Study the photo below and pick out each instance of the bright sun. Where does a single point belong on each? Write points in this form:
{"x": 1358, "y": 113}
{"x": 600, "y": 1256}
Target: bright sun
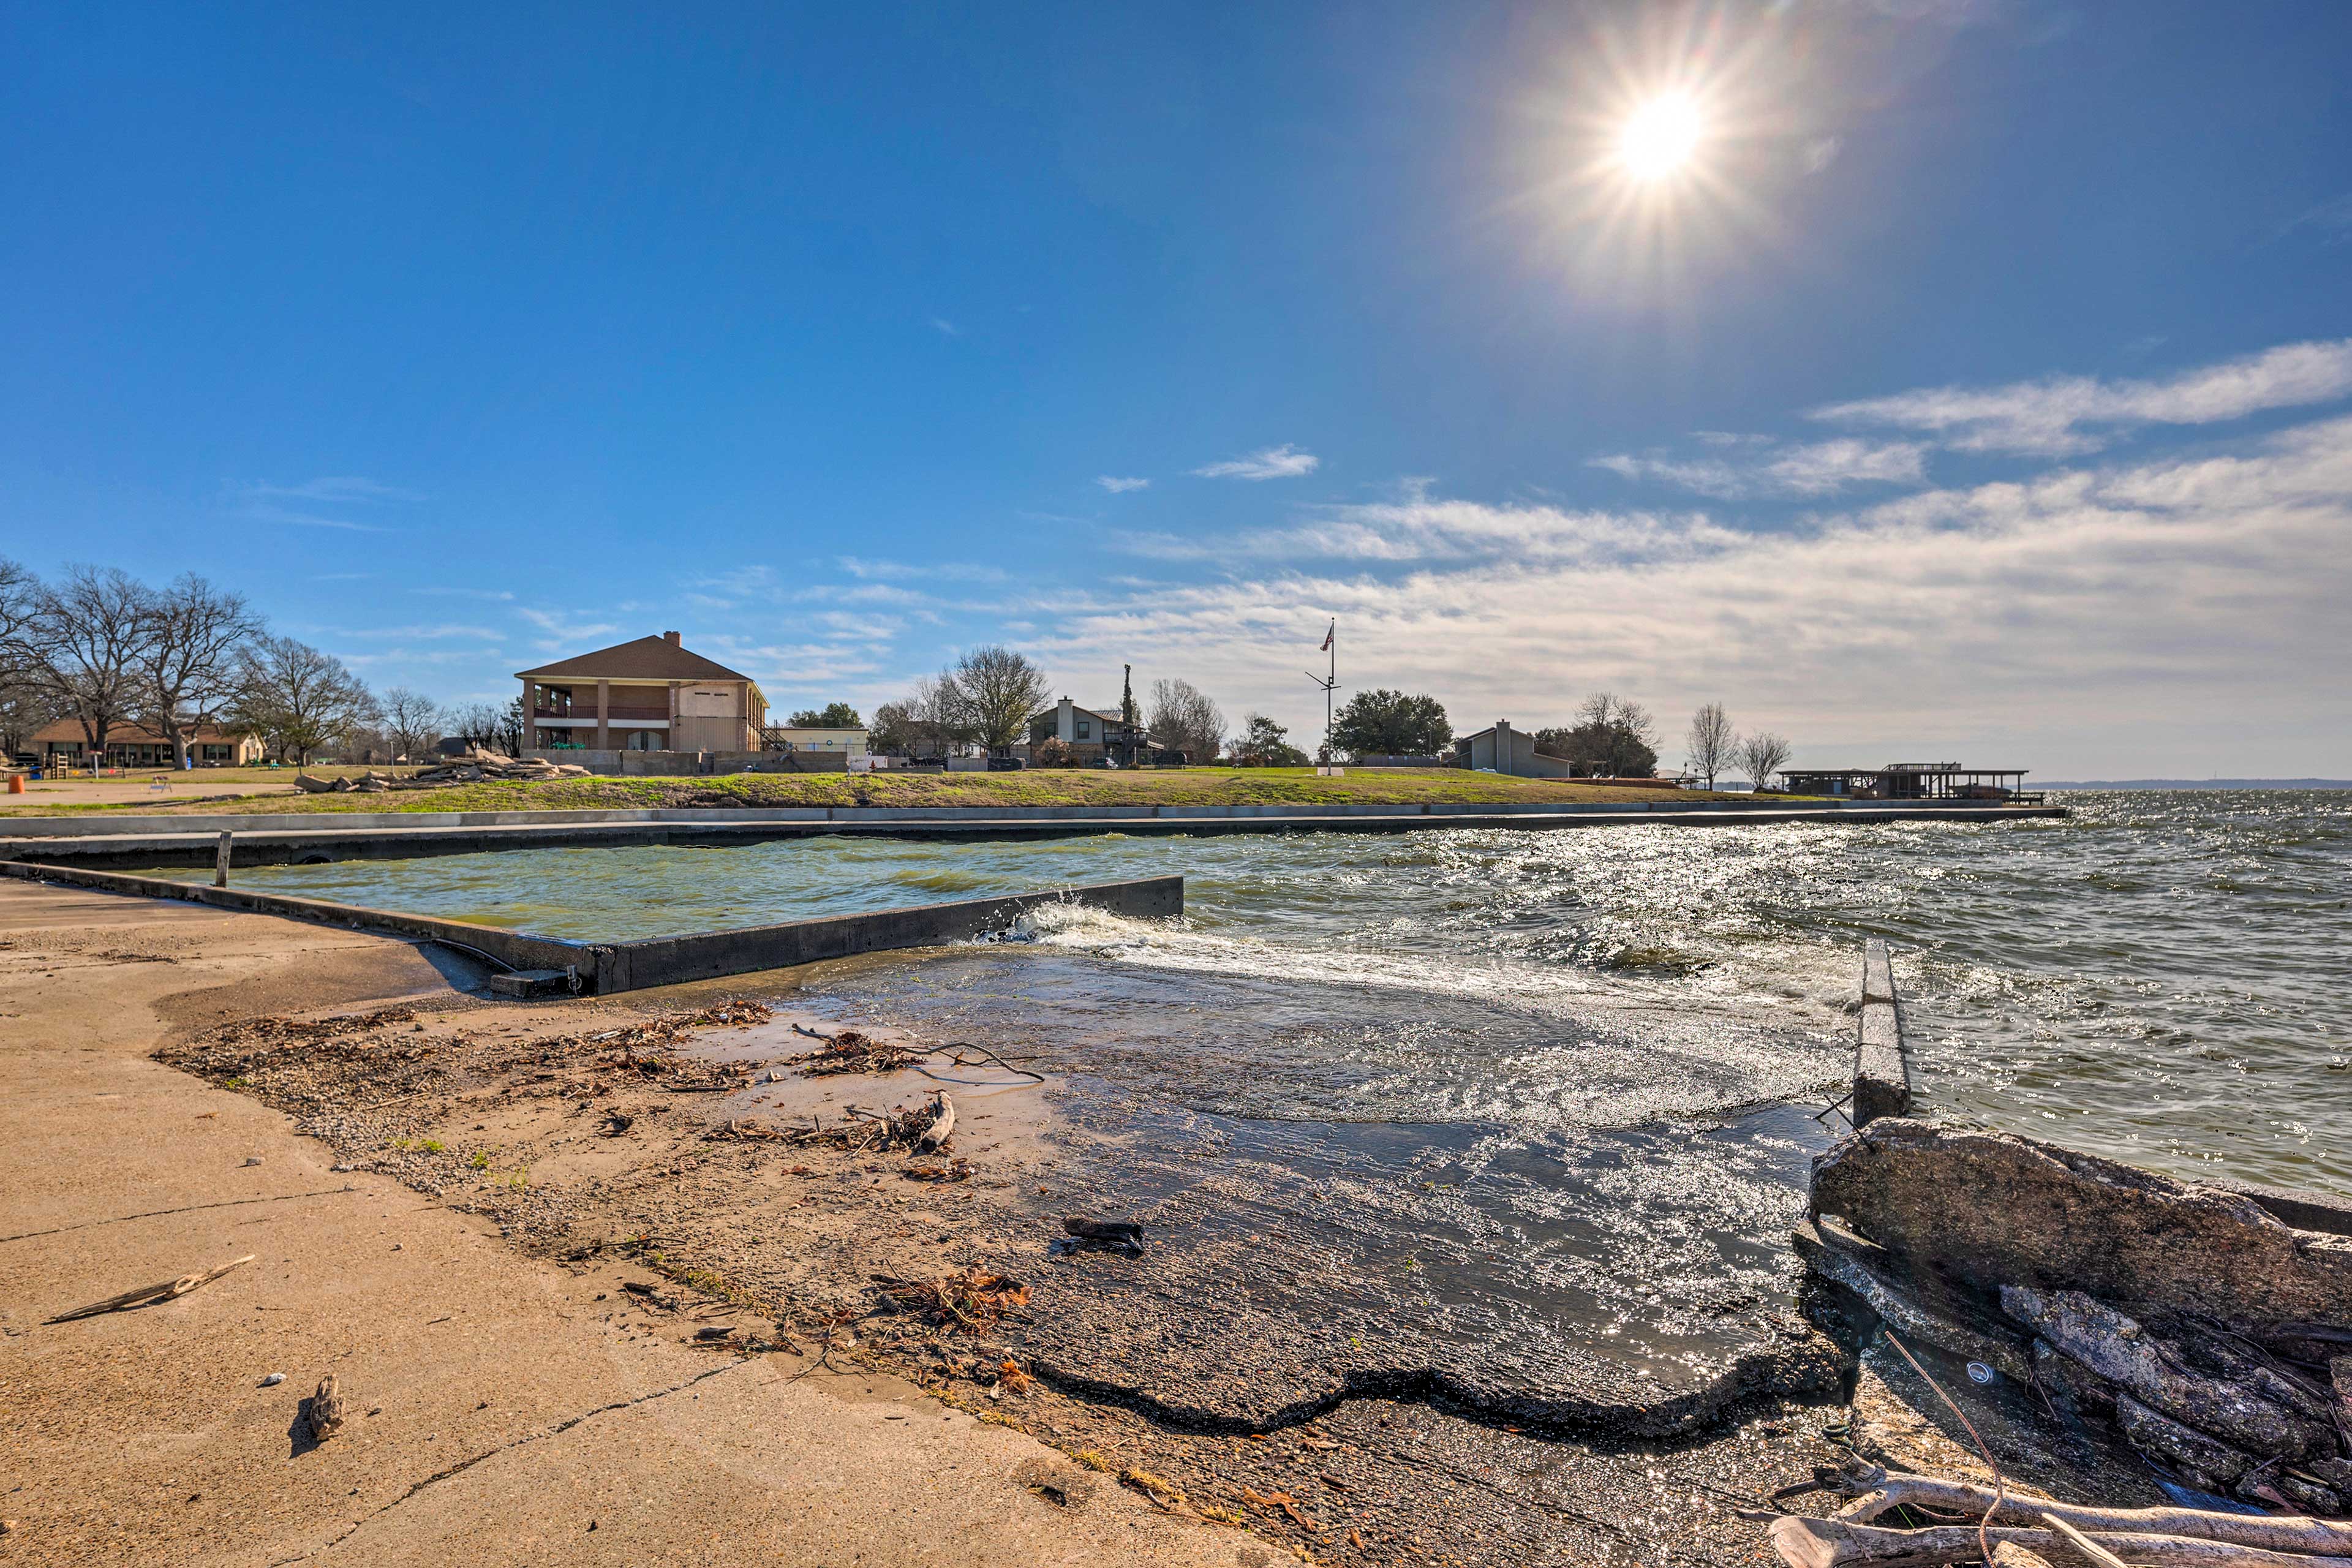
{"x": 1660, "y": 137}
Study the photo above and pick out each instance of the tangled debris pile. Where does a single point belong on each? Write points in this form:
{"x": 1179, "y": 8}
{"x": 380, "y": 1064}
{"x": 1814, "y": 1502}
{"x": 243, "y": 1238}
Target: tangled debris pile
{"x": 2021, "y": 1529}
{"x": 474, "y": 767}
{"x": 2188, "y": 1323}
{"x": 851, "y": 1050}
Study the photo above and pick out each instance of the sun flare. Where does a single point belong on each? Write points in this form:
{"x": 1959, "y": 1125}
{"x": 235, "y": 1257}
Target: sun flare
{"x": 1660, "y": 137}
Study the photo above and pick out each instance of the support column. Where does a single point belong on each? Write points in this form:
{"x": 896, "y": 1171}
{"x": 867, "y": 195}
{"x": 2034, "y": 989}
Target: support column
{"x": 529, "y": 728}
{"x": 603, "y": 716}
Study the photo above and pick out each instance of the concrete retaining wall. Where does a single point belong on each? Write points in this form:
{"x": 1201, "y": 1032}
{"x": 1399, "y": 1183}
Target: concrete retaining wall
{"x": 1882, "y": 1063}
{"x": 604, "y": 967}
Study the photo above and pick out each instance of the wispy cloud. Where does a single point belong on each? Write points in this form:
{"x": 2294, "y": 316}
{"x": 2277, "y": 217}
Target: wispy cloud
{"x": 870, "y": 569}
{"x": 265, "y": 502}
{"x": 487, "y": 634}
{"x": 1119, "y": 487}
{"x": 492, "y": 595}
{"x": 946, "y": 328}
{"x": 1822, "y": 151}
{"x": 331, "y": 490}
{"x": 2068, "y": 415}
{"x": 1283, "y": 462}
{"x": 566, "y": 631}
{"x": 1757, "y": 466}
{"x": 2332, "y": 219}
{"x": 308, "y": 519}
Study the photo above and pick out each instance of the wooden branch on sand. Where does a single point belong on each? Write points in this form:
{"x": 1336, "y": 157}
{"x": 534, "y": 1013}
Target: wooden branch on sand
{"x": 326, "y": 1409}
{"x": 2270, "y": 1533}
{"x": 942, "y": 1125}
{"x": 148, "y": 1295}
{"x": 1834, "y": 1543}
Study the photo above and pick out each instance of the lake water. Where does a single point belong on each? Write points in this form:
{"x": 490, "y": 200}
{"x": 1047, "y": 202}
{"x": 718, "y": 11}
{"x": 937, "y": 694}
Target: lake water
{"x": 2159, "y": 977}
{"x": 1551, "y": 1095}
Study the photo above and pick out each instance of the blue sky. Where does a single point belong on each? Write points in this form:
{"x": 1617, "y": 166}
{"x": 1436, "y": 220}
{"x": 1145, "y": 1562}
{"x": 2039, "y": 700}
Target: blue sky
{"x": 1982, "y": 388}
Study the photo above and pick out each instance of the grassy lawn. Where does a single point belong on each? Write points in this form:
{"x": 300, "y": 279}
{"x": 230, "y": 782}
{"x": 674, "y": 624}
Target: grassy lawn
{"x": 1188, "y": 786}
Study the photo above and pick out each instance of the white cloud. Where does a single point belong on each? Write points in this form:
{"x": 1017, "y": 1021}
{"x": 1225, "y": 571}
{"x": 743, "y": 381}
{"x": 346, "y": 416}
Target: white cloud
{"x": 1119, "y": 487}
{"x": 870, "y": 569}
{"x": 946, "y": 328}
{"x": 1822, "y": 151}
{"x": 1759, "y": 468}
{"x": 1283, "y": 462}
{"x": 565, "y": 632}
{"x": 2071, "y": 414}
{"x": 2140, "y": 614}
{"x": 495, "y": 596}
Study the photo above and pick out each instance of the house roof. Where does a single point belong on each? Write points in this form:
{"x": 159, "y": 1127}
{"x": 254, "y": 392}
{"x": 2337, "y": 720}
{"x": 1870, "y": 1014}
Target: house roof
{"x": 647, "y": 658}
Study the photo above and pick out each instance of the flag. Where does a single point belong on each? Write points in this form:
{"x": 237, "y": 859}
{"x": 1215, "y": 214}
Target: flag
{"x": 1327, "y": 637}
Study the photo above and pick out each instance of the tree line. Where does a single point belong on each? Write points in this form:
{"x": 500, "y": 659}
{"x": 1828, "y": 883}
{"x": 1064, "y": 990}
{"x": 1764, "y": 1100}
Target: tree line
{"x": 115, "y": 655}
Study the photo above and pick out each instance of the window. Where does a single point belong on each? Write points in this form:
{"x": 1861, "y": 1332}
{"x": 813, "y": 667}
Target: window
{"x": 1086, "y": 729}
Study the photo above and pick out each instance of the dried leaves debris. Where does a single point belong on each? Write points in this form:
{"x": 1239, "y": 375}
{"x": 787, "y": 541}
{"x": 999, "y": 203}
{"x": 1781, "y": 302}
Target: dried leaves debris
{"x": 969, "y": 1300}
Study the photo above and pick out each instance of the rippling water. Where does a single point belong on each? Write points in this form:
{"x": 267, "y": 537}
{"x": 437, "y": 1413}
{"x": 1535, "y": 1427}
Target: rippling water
{"x": 2159, "y": 977}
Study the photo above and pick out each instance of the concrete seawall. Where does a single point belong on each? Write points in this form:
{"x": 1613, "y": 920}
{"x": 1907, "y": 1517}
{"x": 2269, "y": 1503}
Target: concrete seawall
{"x": 1882, "y": 1062}
{"x": 121, "y": 842}
{"x": 605, "y": 967}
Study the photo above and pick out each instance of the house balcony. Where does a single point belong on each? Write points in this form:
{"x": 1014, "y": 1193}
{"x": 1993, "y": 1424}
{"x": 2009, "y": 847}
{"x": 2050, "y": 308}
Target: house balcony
{"x": 579, "y": 714}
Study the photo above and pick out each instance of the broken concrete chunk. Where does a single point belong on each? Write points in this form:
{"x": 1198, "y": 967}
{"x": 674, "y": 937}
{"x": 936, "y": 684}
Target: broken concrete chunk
{"x": 1986, "y": 1209}
{"x": 2155, "y": 1373}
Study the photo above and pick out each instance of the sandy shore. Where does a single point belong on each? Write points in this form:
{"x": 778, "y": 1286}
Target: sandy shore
{"x": 452, "y": 1202}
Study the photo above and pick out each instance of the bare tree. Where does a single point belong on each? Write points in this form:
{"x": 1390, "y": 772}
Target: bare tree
{"x": 18, "y": 589}
{"x": 1612, "y": 737}
{"x": 85, "y": 642}
{"x": 1710, "y": 743}
{"x": 1763, "y": 754}
{"x": 412, "y": 721}
{"x": 189, "y": 660}
{"x": 1000, "y": 689}
{"x": 1184, "y": 717}
{"x": 297, "y": 698}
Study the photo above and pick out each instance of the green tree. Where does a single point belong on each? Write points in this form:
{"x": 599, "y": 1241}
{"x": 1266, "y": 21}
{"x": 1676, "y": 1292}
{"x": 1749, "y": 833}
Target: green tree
{"x": 1391, "y": 724}
{"x": 832, "y": 716}
{"x": 1263, "y": 743}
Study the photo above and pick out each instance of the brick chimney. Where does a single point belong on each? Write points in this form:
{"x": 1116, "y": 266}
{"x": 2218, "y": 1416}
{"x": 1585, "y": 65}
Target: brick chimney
{"x": 670, "y": 638}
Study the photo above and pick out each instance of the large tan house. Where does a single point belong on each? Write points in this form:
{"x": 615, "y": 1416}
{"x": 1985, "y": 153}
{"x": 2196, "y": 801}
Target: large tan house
{"x": 650, "y": 695}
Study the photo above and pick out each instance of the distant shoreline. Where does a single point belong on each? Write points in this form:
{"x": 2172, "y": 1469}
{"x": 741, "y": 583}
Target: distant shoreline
{"x": 2194, "y": 783}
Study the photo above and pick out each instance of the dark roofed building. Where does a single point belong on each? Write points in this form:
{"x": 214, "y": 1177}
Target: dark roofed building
{"x": 650, "y": 695}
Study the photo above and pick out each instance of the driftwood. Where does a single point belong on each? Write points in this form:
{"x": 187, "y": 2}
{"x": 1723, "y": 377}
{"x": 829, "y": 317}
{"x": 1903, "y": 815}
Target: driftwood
{"x": 1886, "y": 1491}
{"x": 2239, "y": 1411}
{"x": 327, "y": 1410}
{"x": 148, "y": 1295}
{"x": 2098, "y": 1554}
{"x": 1109, "y": 1232}
{"x": 942, "y": 1125}
{"x": 2010, "y": 1554}
{"x": 1836, "y": 1544}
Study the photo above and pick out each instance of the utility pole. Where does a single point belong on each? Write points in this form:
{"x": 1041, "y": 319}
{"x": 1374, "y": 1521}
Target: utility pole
{"x": 1330, "y": 682}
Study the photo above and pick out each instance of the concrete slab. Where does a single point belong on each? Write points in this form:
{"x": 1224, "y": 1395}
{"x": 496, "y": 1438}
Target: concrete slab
{"x": 504, "y": 1413}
